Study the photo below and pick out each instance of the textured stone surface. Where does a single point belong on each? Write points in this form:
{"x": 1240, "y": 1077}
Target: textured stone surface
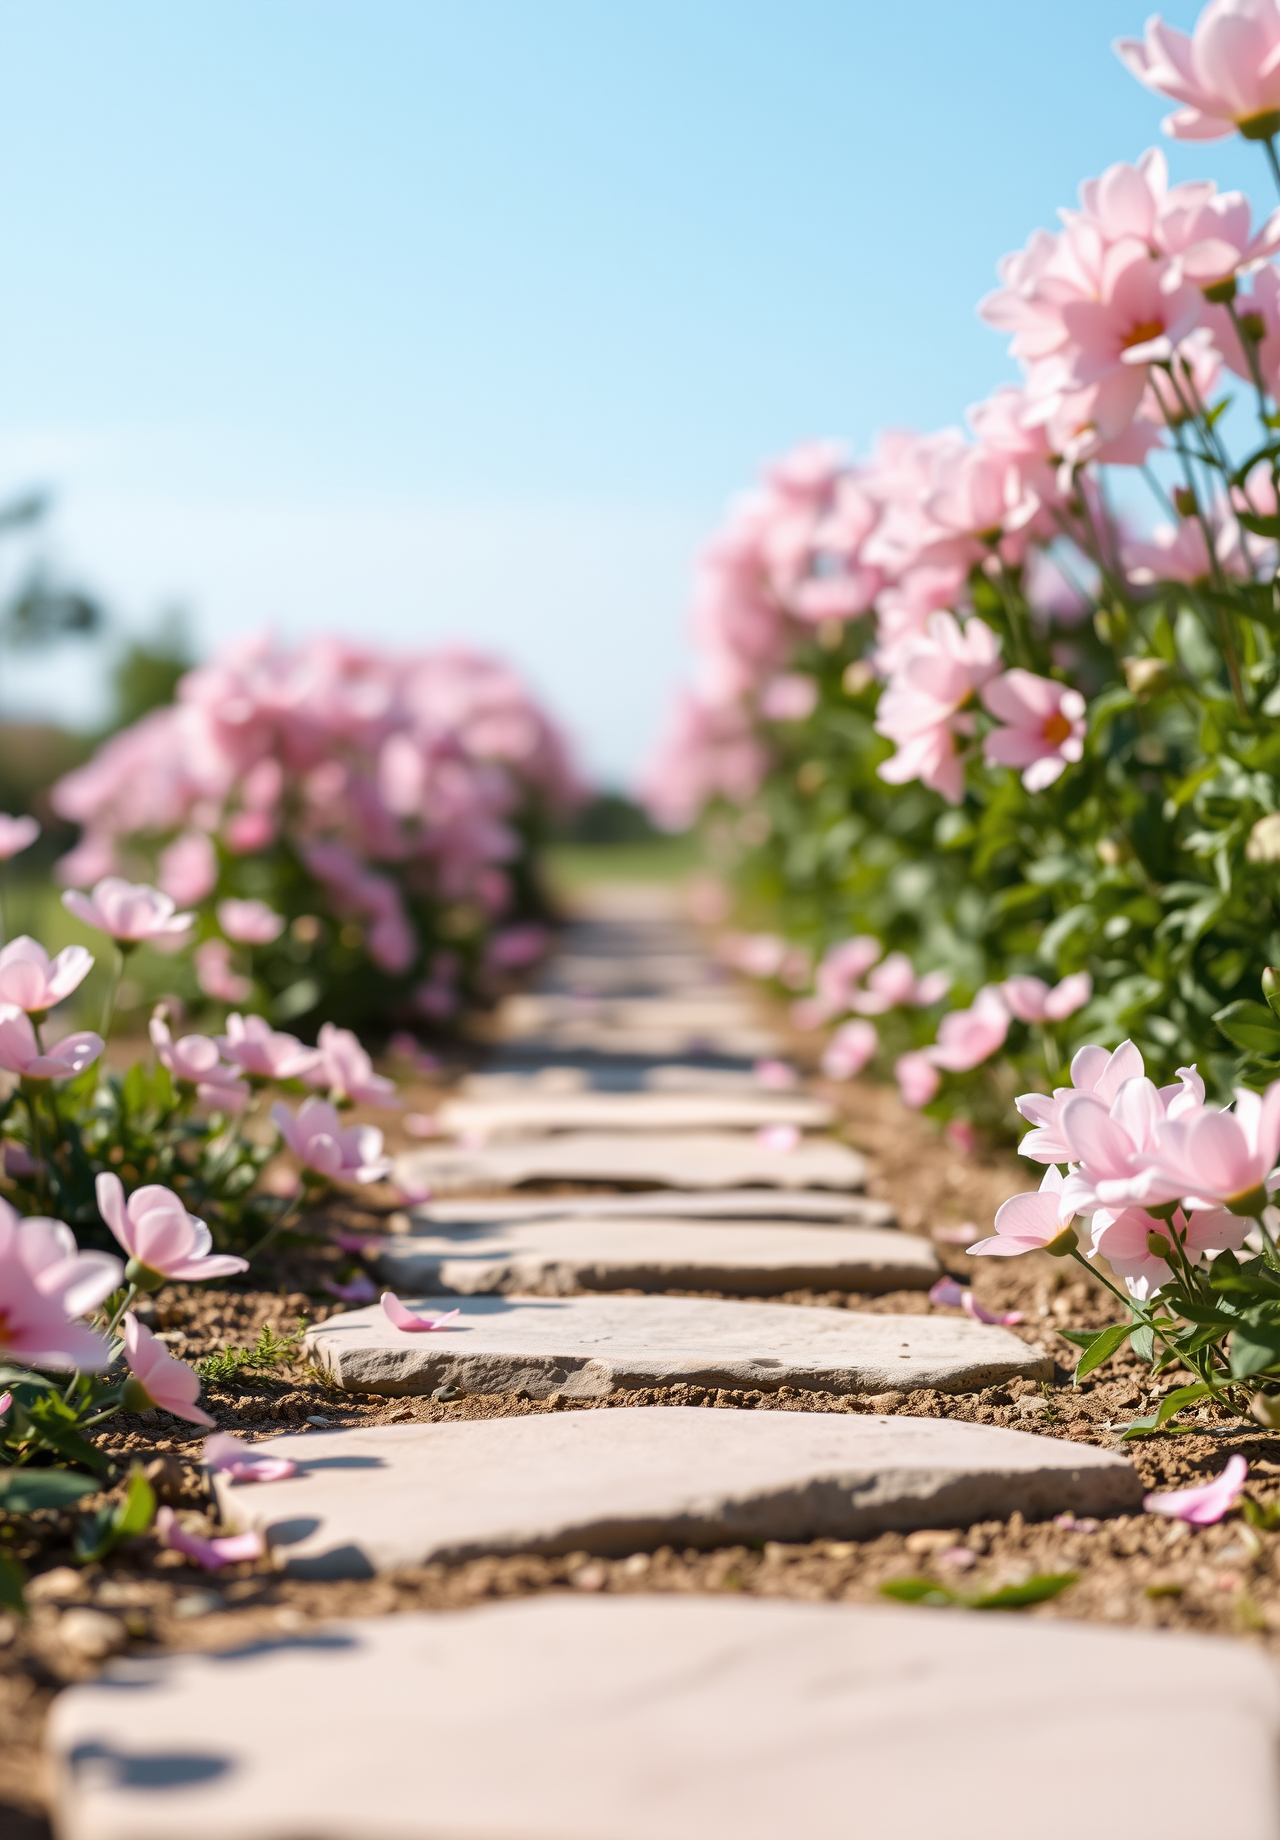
{"x": 630, "y": 1717}
{"x": 659, "y": 1026}
{"x": 373, "y": 1498}
{"x": 537, "y": 1114}
{"x": 807, "y": 1204}
{"x": 589, "y": 1346}
{"x": 693, "y": 1159}
{"x": 599, "y": 1254}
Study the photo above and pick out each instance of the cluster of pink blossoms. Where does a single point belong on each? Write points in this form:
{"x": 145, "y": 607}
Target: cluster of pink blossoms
{"x": 1146, "y": 1165}
{"x": 389, "y": 777}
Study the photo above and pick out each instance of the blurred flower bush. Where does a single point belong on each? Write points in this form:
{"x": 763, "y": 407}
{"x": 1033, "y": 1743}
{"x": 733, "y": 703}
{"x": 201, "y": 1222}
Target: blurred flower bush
{"x": 357, "y": 830}
{"x": 995, "y": 711}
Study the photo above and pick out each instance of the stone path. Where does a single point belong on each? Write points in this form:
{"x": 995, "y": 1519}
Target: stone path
{"x": 808, "y": 1205}
{"x": 604, "y": 1254}
{"x": 625, "y": 1718}
{"x": 686, "y": 1159}
{"x": 587, "y": 1347}
{"x": 535, "y": 1114}
{"x": 370, "y": 1499}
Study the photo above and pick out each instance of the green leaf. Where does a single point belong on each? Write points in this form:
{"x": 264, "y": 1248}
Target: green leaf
{"x": 19, "y": 1376}
{"x": 918, "y": 1591}
{"x": 24, "y": 1491}
{"x": 1172, "y": 1402}
{"x": 1260, "y": 526}
{"x": 1102, "y": 1347}
{"x": 1083, "y": 1338}
{"x": 1251, "y": 1026}
{"x": 99, "y": 1533}
{"x": 1036, "y": 1590}
{"x": 12, "y": 1584}
{"x": 1143, "y": 1343}
{"x": 1254, "y": 1347}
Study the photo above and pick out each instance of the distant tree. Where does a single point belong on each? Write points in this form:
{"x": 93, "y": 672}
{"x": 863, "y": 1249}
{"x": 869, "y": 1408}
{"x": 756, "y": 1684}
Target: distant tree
{"x": 146, "y": 674}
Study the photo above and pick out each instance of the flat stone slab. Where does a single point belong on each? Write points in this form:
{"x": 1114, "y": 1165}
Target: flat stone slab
{"x": 690, "y": 1159}
{"x": 602, "y": 1254}
{"x": 807, "y": 1204}
{"x": 587, "y": 1347}
{"x": 540, "y": 1113}
{"x": 656, "y": 1026}
{"x": 371, "y": 1499}
{"x": 626, "y": 1717}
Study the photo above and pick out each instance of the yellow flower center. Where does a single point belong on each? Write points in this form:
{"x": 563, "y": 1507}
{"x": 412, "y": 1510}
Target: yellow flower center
{"x": 1056, "y": 729}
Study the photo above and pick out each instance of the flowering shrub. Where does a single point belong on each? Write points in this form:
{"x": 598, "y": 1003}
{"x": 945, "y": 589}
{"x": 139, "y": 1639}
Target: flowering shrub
{"x": 967, "y": 707}
{"x": 357, "y": 830}
{"x": 159, "y": 1164}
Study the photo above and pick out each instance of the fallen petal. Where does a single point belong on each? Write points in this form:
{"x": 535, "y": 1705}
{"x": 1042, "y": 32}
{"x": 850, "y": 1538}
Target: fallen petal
{"x": 972, "y": 1307}
{"x": 211, "y": 1554}
{"x": 946, "y": 1290}
{"x": 406, "y": 1319}
{"x": 242, "y": 1463}
{"x": 1203, "y": 1506}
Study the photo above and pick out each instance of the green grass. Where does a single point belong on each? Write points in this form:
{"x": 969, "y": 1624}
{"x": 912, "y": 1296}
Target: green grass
{"x": 665, "y": 859}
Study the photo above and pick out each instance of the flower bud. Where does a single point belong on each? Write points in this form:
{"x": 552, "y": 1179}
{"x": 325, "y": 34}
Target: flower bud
{"x": 1263, "y": 845}
{"x": 1265, "y": 1407}
{"x": 1158, "y": 1246}
{"x": 134, "y": 1396}
{"x": 1271, "y": 987}
{"x": 1145, "y": 675}
{"x": 1221, "y": 293}
{"x": 144, "y": 1276}
{"x": 1063, "y": 1243}
{"x": 1184, "y": 501}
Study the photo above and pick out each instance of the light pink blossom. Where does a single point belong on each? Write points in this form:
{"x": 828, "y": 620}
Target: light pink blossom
{"x": 1035, "y": 1222}
{"x": 264, "y": 1054}
{"x": 1116, "y": 1148}
{"x": 159, "y": 1378}
{"x": 158, "y": 1233}
{"x": 893, "y": 983}
{"x": 321, "y": 1143}
{"x": 838, "y": 973}
{"x": 45, "y": 1282}
{"x": 243, "y": 1463}
{"x": 360, "y": 1289}
{"x": 1226, "y": 74}
{"x": 129, "y": 911}
{"x": 967, "y": 1037}
{"x": 1211, "y": 1159}
{"x": 918, "y": 1079}
{"x": 1044, "y": 726}
{"x": 957, "y": 1296}
{"x": 21, "y": 1053}
{"x": 1093, "y": 1070}
{"x": 1202, "y": 1506}
{"x": 1123, "y": 1237}
{"x": 215, "y": 973}
{"x": 16, "y": 835}
{"x": 1032, "y": 1000}
{"x": 852, "y": 1046}
{"x": 514, "y": 948}
{"x": 792, "y": 697}
{"x": 924, "y": 709}
{"x": 194, "y": 1060}
{"x": 212, "y": 1555}
{"x": 187, "y": 870}
{"x": 402, "y": 1318}
{"x": 346, "y": 1070}
{"x": 776, "y": 1076}
{"x": 33, "y": 981}
{"x": 250, "y": 923}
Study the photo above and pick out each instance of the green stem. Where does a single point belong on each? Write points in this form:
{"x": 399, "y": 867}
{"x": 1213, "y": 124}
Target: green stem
{"x": 129, "y": 1296}
{"x": 37, "y": 1145}
{"x": 1269, "y": 147}
{"x": 300, "y": 1200}
{"x": 113, "y": 992}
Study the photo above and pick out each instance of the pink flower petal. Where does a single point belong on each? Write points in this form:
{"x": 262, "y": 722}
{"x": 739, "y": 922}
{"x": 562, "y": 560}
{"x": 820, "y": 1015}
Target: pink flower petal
{"x": 947, "y": 1291}
{"x": 1202, "y": 1506}
{"x": 211, "y": 1554}
{"x": 971, "y": 1307}
{"x": 242, "y": 1463}
{"x": 406, "y": 1319}
{"x": 360, "y": 1289}
{"x": 361, "y": 1243}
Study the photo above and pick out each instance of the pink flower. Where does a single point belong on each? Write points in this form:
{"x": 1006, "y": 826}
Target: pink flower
{"x": 33, "y": 981}
{"x": 129, "y": 911}
{"x": 1037, "y": 1222}
{"x": 18, "y": 1161}
{"x": 838, "y": 973}
{"x": 319, "y": 1142}
{"x": 1207, "y": 1504}
{"x": 1116, "y": 1148}
{"x": 894, "y": 983}
{"x": 16, "y": 835}
{"x": 1123, "y": 1238}
{"x": 923, "y": 708}
{"x": 513, "y": 948}
{"x": 263, "y": 1054}
{"x": 423, "y": 1124}
{"x": 918, "y": 1079}
{"x": 158, "y": 1233}
{"x": 1045, "y": 726}
{"x": 242, "y": 1463}
{"x": 230, "y": 1549}
{"x": 360, "y": 1289}
{"x": 1093, "y": 1070}
{"x": 849, "y": 1050}
{"x": 159, "y": 1378}
{"x": 403, "y": 1318}
{"x": 20, "y": 1052}
{"x": 1031, "y": 999}
{"x": 967, "y": 1037}
{"x": 789, "y": 698}
{"x": 1226, "y": 74}
{"x": 346, "y": 1070}
{"x": 215, "y": 975}
{"x": 1211, "y": 1159}
{"x": 195, "y": 1061}
{"x": 776, "y": 1076}
{"x": 45, "y": 1281}
{"x": 188, "y": 870}
{"x": 250, "y": 923}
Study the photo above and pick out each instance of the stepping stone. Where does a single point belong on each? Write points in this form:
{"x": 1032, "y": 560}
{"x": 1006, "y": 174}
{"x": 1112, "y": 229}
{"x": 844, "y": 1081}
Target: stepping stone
{"x": 693, "y": 1159}
{"x": 601, "y": 1254}
{"x": 587, "y": 1347}
{"x": 654, "y": 1026}
{"x": 371, "y": 1499}
{"x": 806, "y": 1204}
{"x": 540, "y": 1114}
{"x": 636, "y": 973}
{"x": 563, "y": 1717}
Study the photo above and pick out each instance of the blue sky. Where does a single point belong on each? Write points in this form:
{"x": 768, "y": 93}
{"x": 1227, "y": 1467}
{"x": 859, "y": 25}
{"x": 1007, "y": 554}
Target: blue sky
{"x": 423, "y": 320}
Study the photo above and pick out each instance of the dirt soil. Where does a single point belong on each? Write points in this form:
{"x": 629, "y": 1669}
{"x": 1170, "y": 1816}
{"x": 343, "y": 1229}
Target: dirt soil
{"x": 1139, "y": 1570}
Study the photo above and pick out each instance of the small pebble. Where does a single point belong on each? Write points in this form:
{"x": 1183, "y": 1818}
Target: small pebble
{"x": 636, "y": 1566}
{"x": 199, "y": 1603}
{"x": 443, "y": 1393}
{"x": 61, "y": 1585}
{"x": 8, "y": 1630}
{"x": 314, "y": 1418}
{"x": 92, "y": 1634}
{"x": 590, "y": 1578}
{"x": 289, "y": 1618}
